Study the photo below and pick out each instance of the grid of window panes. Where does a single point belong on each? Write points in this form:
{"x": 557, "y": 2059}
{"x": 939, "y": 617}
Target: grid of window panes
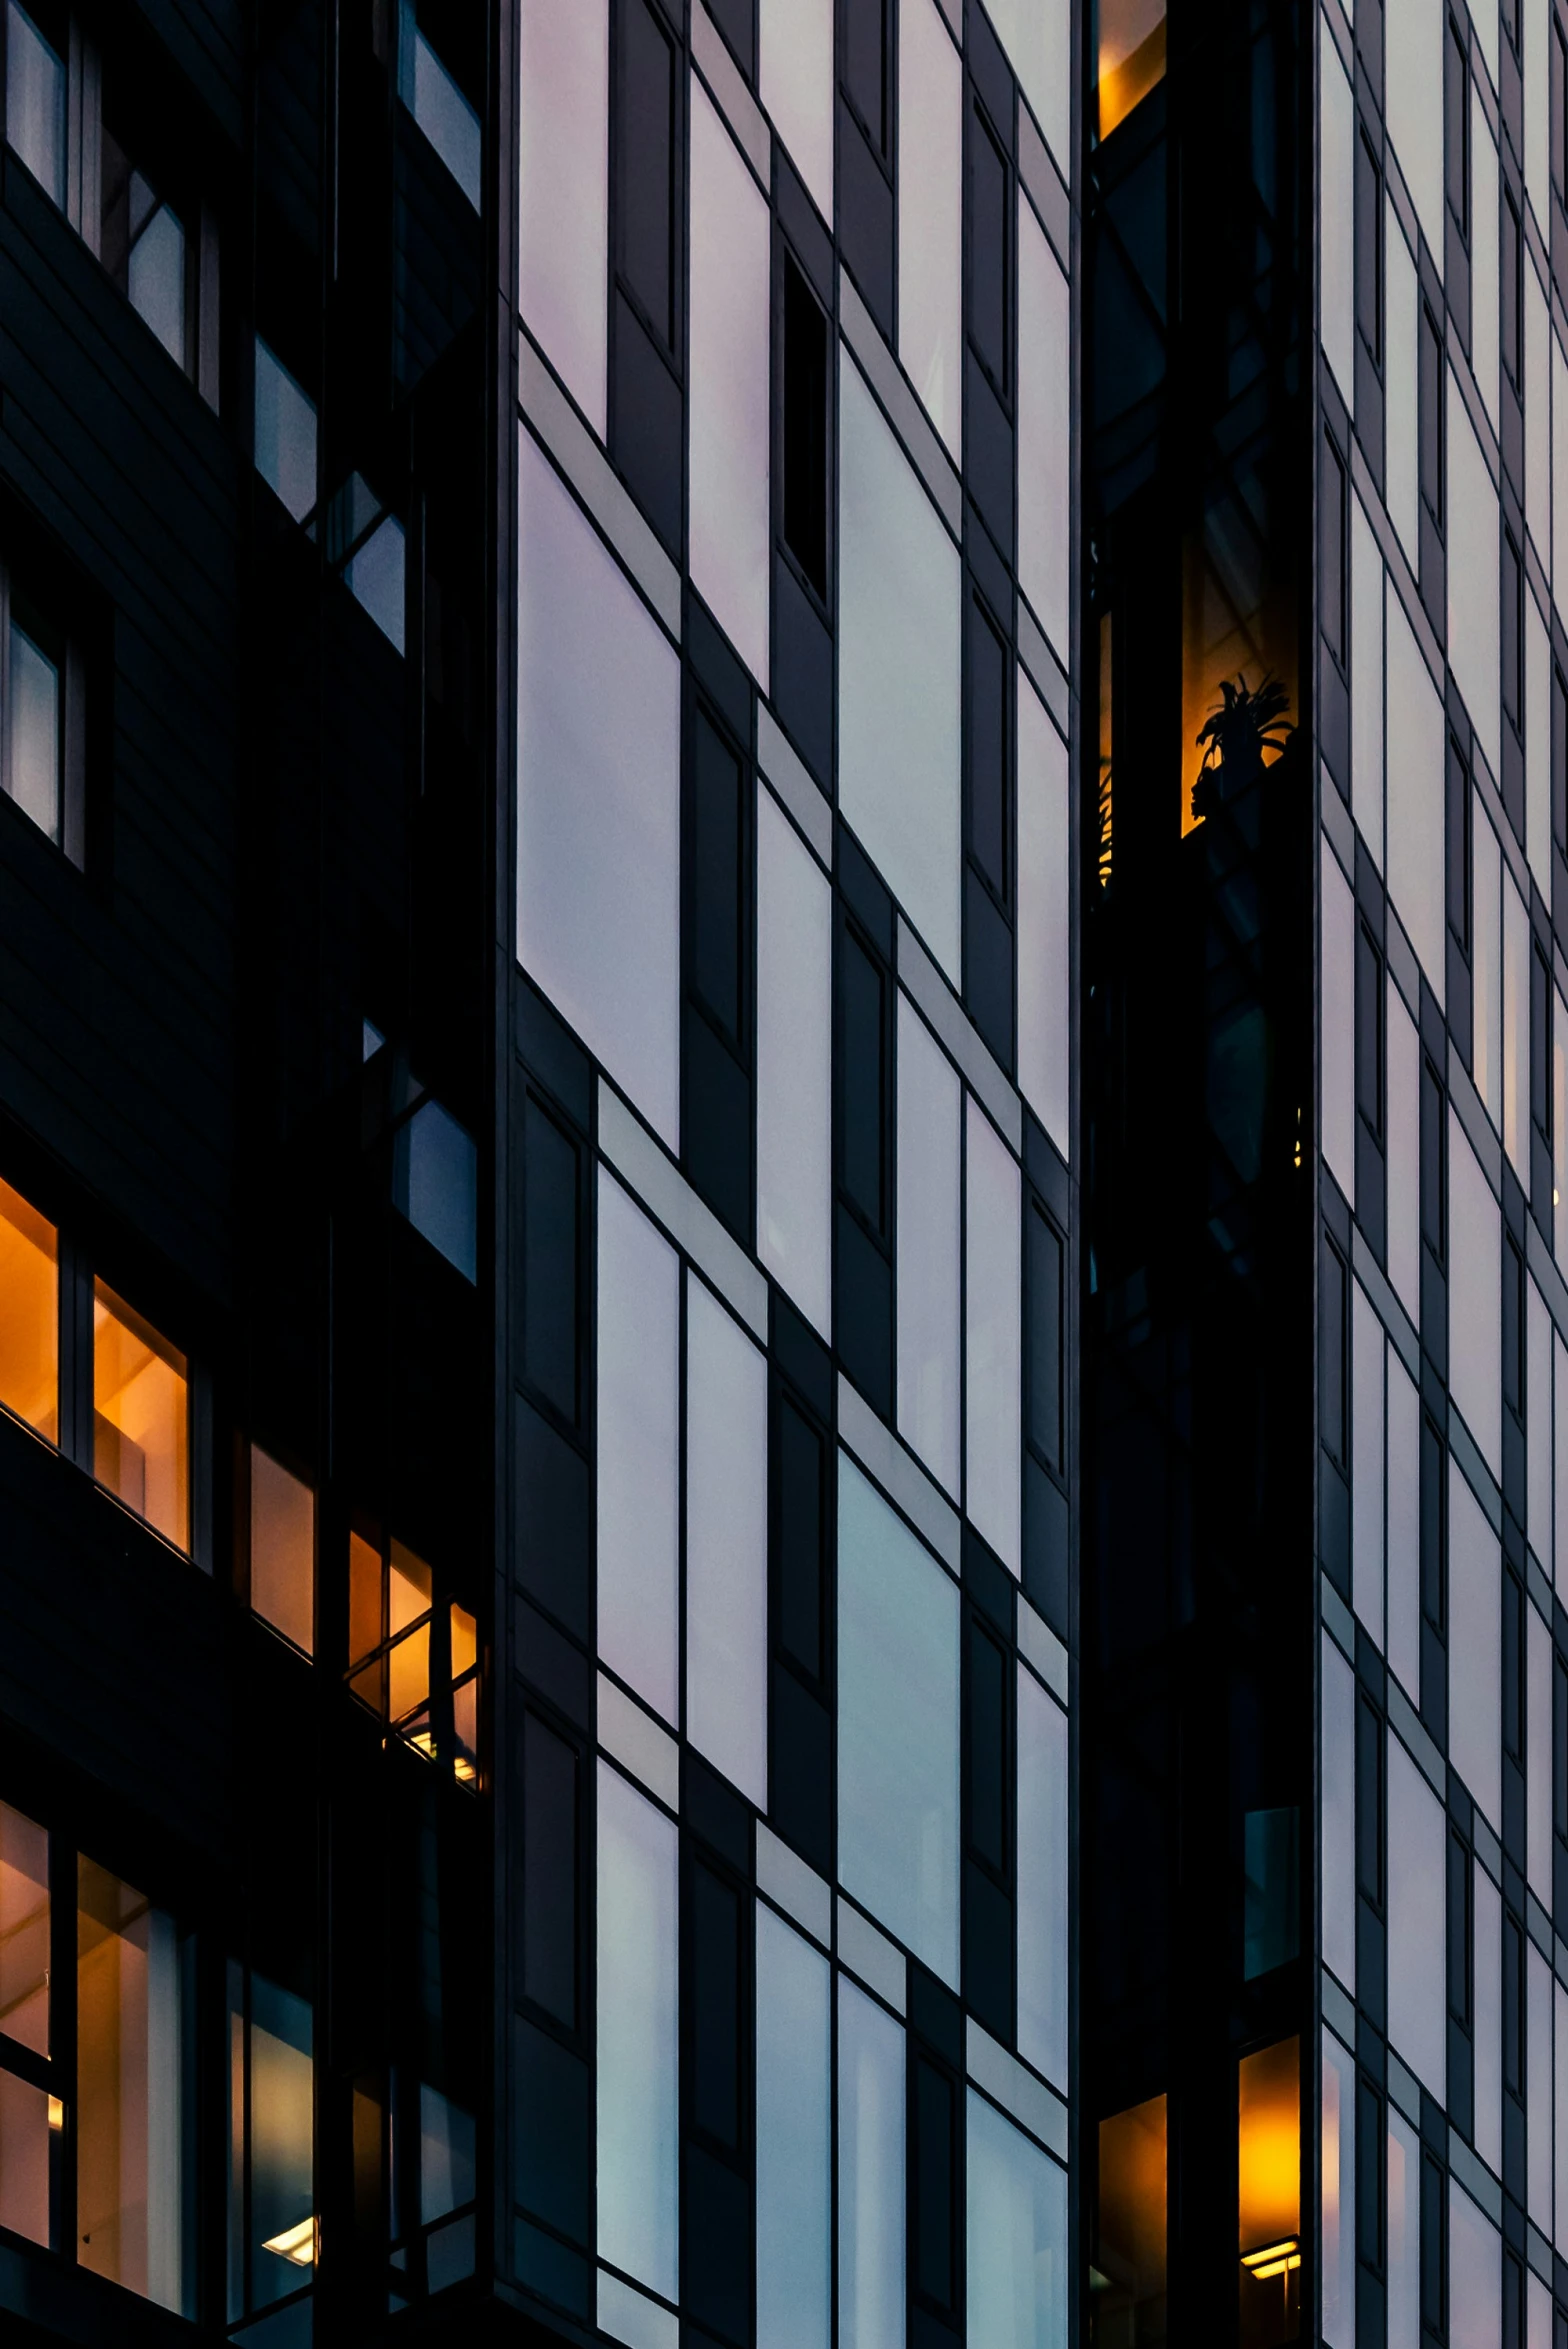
{"x": 794, "y": 1169}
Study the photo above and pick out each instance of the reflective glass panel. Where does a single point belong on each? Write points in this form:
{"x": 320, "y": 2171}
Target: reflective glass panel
{"x": 33, "y": 724}
{"x": 35, "y": 102}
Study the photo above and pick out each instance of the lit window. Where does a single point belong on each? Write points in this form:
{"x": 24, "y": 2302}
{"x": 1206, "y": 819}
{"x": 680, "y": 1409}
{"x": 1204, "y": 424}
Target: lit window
{"x": 135, "y": 2167}
{"x": 1130, "y": 2233}
{"x": 272, "y": 2194}
{"x": 29, "y": 1315}
{"x": 285, "y": 434}
{"x": 1131, "y": 57}
{"x": 141, "y": 1417}
{"x": 439, "y": 107}
{"x": 28, "y": 2112}
{"x": 146, "y": 251}
{"x": 282, "y": 1550}
{"x": 1269, "y": 2194}
{"x": 435, "y": 1173}
{"x": 413, "y": 1654}
{"x": 35, "y": 99}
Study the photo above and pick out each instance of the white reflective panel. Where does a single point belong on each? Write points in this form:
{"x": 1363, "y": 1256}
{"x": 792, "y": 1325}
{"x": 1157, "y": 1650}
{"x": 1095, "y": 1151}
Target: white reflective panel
{"x": 638, "y": 2042}
{"x": 1474, "y": 562}
{"x": 1475, "y": 1286}
{"x": 1366, "y": 681}
{"x": 898, "y": 1767}
{"x": 1338, "y": 1125}
{"x": 1484, "y": 245}
{"x": 729, "y": 375}
{"x": 794, "y": 1063}
{"x": 1404, "y": 1153}
{"x": 1475, "y": 1602}
{"x": 1044, "y": 429}
{"x": 993, "y": 1337}
{"x": 1488, "y": 2018}
{"x": 1516, "y": 1028}
{"x": 1538, "y": 2081}
{"x": 870, "y": 2173}
{"x": 726, "y": 1544}
{"x": 1560, "y": 1462}
{"x": 1413, "y": 95}
{"x": 1535, "y": 27}
{"x": 1404, "y": 1526}
{"x": 1484, "y": 17}
{"x": 1486, "y": 1040}
{"x": 1404, "y": 2233}
{"x": 1538, "y": 1755}
{"x": 1475, "y": 2275}
{"x": 1016, "y": 2237}
{"x": 1366, "y": 1545}
{"x": 1042, "y": 1880}
{"x": 1416, "y": 741}
{"x": 1417, "y": 1928}
{"x": 1336, "y": 217}
{"x": 1538, "y": 1425}
{"x": 1401, "y": 336}
{"x": 1537, "y": 414}
{"x": 794, "y": 2148}
{"x": 931, "y": 216}
{"x": 1537, "y": 2312}
{"x": 598, "y": 792}
{"x": 1037, "y": 35}
{"x": 564, "y": 192}
{"x": 1044, "y": 919}
{"x": 1338, "y": 1823}
{"x": 638, "y": 1451}
{"x": 1560, "y": 2129}
{"x": 898, "y": 671}
{"x": 1338, "y": 2236}
{"x": 1537, "y": 744}
{"x": 797, "y": 87}
{"x": 930, "y": 1240}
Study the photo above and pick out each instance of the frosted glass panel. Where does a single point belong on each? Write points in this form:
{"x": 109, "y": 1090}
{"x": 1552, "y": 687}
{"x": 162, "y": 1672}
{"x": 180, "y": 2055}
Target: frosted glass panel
{"x": 1486, "y": 1001}
{"x": 730, "y": 385}
{"x": 931, "y": 215}
{"x": 930, "y": 1239}
{"x": 797, "y": 87}
{"x": 1404, "y": 2233}
{"x": 870, "y": 2173}
{"x": 598, "y": 791}
{"x": 1404, "y": 1526}
{"x": 1417, "y": 1933}
{"x": 1535, "y": 27}
{"x": 1474, "y": 1648}
{"x": 1017, "y": 2237}
{"x": 639, "y": 2058}
{"x": 1339, "y": 1021}
{"x": 1366, "y": 1356}
{"x": 993, "y": 1341}
{"x": 564, "y": 191}
{"x": 1044, "y": 931}
{"x": 1415, "y": 796}
{"x": 1538, "y": 1425}
{"x": 1366, "y": 681}
{"x": 1404, "y": 1154}
{"x": 794, "y": 1062}
{"x": 1044, "y": 429}
{"x": 726, "y": 1544}
{"x": 1488, "y": 2018}
{"x": 1475, "y": 2274}
{"x": 898, "y": 1725}
{"x": 898, "y": 671}
{"x": 1339, "y": 1814}
{"x": 1559, "y": 566}
{"x": 1413, "y": 94}
{"x": 1474, "y": 1298}
{"x": 1338, "y": 2127}
{"x": 1474, "y": 559}
{"x": 1336, "y": 216}
{"x": 794, "y": 2149}
{"x": 1559, "y": 1128}
{"x": 638, "y": 1451}
{"x": 1042, "y": 1880}
{"x": 1402, "y": 320}
{"x": 1538, "y": 1756}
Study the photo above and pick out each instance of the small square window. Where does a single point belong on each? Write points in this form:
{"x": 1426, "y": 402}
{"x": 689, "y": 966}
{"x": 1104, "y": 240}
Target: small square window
{"x": 413, "y": 1654}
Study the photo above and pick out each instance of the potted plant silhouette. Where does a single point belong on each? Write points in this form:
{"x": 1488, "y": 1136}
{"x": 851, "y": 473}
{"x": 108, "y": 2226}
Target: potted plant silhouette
{"x": 1233, "y": 739}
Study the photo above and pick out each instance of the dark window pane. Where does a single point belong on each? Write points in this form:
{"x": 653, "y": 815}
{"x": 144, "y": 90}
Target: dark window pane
{"x": 1513, "y": 1666}
{"x": 1369, "y": 247}
{"x": 1432, "y": 1159}
{"x": 1332, "y": 1361}
{"x": 862, "y": 1104}
{"x": 1369, "y": 2173}
{"x": 1512, "y": 292}
{"x": 987, "y": 1749}
{"x": 988, "y": 825}
{"x": 1560, "y": 1747}
{"x": 1369, "y": 1801}
{"x": 1559, "y": 758}
{"x": 1559, "y": 106}
{"x": 1513, "y": 1328}
{"x": 1540, "y": 1047}
{"x": 550, "y": 1200}
{"x": 865, "y": 64}
{"x": 1513, "y": 2006}
{"x": 717, "y": 834}
{"x": 549, "y": 1871}
{"x": 1458, "y": 845}
{"x": 800, "y": 1539}
{"x": 1458, "y": 1929}
{"x": 934, "y": 2113}
{"x": 1430, "y": 420}
{"x": 805, "y": 428}
{"x": 1458, "y": 109}
{"x": 1331, "y": 563}
{"x": 1369, "y": 1030}
{"x": 988, "y": 249}
{"x": 1045, "y": 1338}
{"x": 1513, "y": 632}
{"x": 716, "y": 2008}
{"x": 647, "y": 153}
{"x": 1433, "y": 1524}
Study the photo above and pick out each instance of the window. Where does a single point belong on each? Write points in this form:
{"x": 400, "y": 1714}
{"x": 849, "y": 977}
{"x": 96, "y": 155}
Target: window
{"x": 433, "y": 97}
{"x": 645, "y": 150}
{"x": 29, "y": 1315}
{"x": 1457, "y": 77}
{"x": 990, "y": 271}
{"x": 1513, "y": 633}
{"x": 366, "y": 544}
{"x": 285, "y": 434}
{"x": 865, "y": 66}
{"x": 1429, "y": 414}
{"x": 43, "y": 709}
{"x": 990, "y": 763}
{"x": 1369, "y": 1032}
{"x": 1331, "y": 549}
{"x": 1369, "y": 248}
{"x": 282, "y": 1549}
{"x": 35, "y": 94}
{"x": 863, "y": 1081}
{"x": 1511, "y": 294}
{"x": 271, "y": 2181}
{"x": 805, "y": 428}
{"x": 147, "y": 252}
{"x": 1130, "y": 61}
{"x": 31, "y": 2115}
{"x": 1559, "y": 107}
{"x": 435, "y": 1179}
{"x": 141, "y": 1417}
{"x": 413, "y": 1654}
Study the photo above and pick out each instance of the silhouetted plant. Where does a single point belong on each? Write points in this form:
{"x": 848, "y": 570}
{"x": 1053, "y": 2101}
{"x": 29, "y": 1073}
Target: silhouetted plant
{"x": 1234, "y": 737}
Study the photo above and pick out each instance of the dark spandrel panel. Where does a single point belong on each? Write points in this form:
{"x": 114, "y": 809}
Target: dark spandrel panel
{"x": 802, "y": 1524}
{"x": 552, "y": 1190}
{"x": 436, "y": 256}
{"x": 716, "y": 2103}
{"x": 1334, "y": 720}
{"x": 990, "y": 275}
{"x": 648, "y": 435}
{"x": 800, "y": 1769}
{"x": 554, "y": 1537}
{"x": 935, "y": 2015}
{"x": 1371, "y": 1965}
{"x": 987, "y": 1745}
{"x": 934, "y": 2177}
{"x": 803, "y": 672}
{"x": 645, "y": 156}
{"x": 551, "y": 2268}
{"x": 801, "y": 1355}
{"x": 722, "y": 673}
{"x": 1047, "y": 1555}
{"x": 803, "y": 226}
{"x": 717, "y": 834}
{"x": 988, "y": 1951}
{"x": 863, "y": 1298}
{"x": 713, "y": 1810}
{"x": 716, "y": 2246}
{"x": 716, "y": 1124}
{"x": 992, "y": 78}
{"x": 1371, "y": 1192}
{"x": 865, "y": 54}
{"x": 865, "y": 221}
{"x": 865, "y": 893}
{"x": 1046, "y": 1294}
{"x": 551, "y": 2150}
{"x": 551, "y": 1806}
{"x": 988, "y": 455}
{"x": 863, "y": 1089}
{"x": 988, "y": 1582}
{"x": 986, "y": 681}
{"x": 805, "y": 427}
{"x": 552, "y": 1664}
{"x": 988, "y": 968}
{"x": 1334, "y": 1526}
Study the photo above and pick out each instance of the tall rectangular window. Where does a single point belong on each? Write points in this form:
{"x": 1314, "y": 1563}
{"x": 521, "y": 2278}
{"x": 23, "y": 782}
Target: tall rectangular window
{"x": 645, "y": 160}
{"x": 718, "y": 877}
{"x": 1513, "y": 633}
{"x": 282, "y": 1549}
{"x": 993, "y": 1335}
{"x": 35, "y": 92}
{"x": 30, "y": 1315}
{"x": 1429, "y": 421}
{"x": 862, "y": 1121}
{"x": 1331, "y": 549}
{"x": 865, "y": 65}
{"x": 1457, "y": 78}
{"x": 726, "y": 1543}
{"x": 1017, "y": 2234}
{"x": 1559, "y": 108}
{"x": 30, "y": 2118}
{"x": 930, "y": 1247}
{"x": 638, "y": 2035}
{"x": 273, "y": 2237}
{"x": 805, "y": 427}
{"x": 794, "y": 2151}
{"x": 639, "y": 1451}
{"x": 987, "y": 698}
{"x": 1042, "y": 1846}
{"x": 990, "y": 272}
{"x": 141, "y": 1417}
{"x": 1511, "y": 294}
{"x": 871, "y": 2173}
{"x": 1369, "y": 248}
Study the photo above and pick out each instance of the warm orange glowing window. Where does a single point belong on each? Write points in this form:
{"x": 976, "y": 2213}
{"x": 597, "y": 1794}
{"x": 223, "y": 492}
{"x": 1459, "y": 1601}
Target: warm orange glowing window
{"x": 24, "y": 1930}
{"x": 1238, "y": 654}
{"x": 29, "y": 1315}
{"x": 282, "y": 1549}
{"x": 413, "y": 1655}
{"x": 1129, "y": 2259}
{"x": 141, "y": 1417}
{"x": 1131, "y": 58}
{"x": 1268, "y": 2148}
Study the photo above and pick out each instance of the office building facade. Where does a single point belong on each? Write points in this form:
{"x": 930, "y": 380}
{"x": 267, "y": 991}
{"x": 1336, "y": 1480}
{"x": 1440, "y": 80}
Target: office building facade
{"x": 538, "y": 1172}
